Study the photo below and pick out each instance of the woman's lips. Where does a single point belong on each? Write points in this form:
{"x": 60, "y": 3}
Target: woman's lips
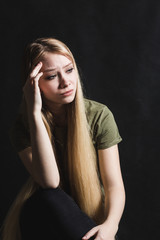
{"x": 67, "y": 93}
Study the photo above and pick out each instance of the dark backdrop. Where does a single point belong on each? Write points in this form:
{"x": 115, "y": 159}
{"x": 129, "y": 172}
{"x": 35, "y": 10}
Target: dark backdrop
{"x": 116, "y": 45}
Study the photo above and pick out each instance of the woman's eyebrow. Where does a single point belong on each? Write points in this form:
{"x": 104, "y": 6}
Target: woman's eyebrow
{"x": 53, "y": 69}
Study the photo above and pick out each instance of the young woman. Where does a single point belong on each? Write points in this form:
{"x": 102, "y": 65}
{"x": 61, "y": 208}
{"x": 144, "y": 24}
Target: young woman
{"x": 68, "y": 144}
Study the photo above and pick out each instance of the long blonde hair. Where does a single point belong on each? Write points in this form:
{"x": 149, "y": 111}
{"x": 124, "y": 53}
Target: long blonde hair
{"x": 82, "y": 163}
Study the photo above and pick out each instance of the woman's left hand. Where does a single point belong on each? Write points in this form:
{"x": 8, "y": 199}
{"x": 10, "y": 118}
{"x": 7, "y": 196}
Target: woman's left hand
{"x": 104, "y": 231}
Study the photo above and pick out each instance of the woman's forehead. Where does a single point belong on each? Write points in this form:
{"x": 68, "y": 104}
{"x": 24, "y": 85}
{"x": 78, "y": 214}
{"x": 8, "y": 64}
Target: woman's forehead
{"x": 54, "y": 61}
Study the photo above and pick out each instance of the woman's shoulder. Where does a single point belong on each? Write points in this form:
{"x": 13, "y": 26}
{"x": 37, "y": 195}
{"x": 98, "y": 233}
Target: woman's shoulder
{"x": 94, "y": 109}
{"x": 103, "y": 128}
{"x": 97, "y": 113}
{"x": 91, "y": 105}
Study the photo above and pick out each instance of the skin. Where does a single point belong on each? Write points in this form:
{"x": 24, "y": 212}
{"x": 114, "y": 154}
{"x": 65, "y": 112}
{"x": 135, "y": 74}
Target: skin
{"x": 114, "y": 190}
{"x": 49, "y": 84}
{"x": 59, "y": 76}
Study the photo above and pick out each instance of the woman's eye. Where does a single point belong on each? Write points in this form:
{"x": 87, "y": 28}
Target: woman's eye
{"x": 70, "y": 70}
{"x": 51, "y": 77}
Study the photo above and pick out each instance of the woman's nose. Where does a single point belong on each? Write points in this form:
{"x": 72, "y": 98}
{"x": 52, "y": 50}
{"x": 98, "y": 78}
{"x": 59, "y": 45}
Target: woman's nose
{"x": 64, "y": 82}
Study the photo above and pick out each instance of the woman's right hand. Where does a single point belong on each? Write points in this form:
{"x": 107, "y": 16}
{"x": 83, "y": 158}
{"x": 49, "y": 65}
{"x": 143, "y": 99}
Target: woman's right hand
{"x": 32, "y": 92}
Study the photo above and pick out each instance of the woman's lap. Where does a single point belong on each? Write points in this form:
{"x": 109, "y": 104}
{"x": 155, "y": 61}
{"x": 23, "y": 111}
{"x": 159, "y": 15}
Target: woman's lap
{"x": 53, "y": 214}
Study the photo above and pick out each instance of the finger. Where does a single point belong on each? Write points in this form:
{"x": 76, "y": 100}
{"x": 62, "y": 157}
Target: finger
{"x": 39, "y": 75}
{"x": 36, "y": 80}
{"x": 32, "y": 81}
{"x": 36, "y": 70}
{"x": 90, "y": 233}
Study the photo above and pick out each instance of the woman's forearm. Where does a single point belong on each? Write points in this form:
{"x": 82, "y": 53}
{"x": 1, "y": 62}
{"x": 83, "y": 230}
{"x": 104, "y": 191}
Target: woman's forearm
{"x": 114, "y": 205}
{"x": 44, "y": 164}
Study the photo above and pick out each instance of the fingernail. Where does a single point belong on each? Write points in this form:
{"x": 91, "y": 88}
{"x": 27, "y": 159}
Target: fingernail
{"x": 38, "y": 64}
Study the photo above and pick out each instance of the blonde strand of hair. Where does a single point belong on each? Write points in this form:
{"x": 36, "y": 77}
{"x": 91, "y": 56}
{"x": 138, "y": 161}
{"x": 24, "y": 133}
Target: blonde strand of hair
{"x": 82, "y": 165}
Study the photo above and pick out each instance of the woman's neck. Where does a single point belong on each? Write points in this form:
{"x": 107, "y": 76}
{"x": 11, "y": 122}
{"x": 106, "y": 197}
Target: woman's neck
{"x": 60, "y": 119}
{"x": 59, "y": 113}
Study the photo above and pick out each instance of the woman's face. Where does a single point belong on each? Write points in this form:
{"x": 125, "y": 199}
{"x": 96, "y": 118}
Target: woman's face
{"x": 59, "y": 80}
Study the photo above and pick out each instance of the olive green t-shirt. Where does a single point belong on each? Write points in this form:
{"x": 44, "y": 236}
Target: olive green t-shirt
{"x": 103, "y": 128}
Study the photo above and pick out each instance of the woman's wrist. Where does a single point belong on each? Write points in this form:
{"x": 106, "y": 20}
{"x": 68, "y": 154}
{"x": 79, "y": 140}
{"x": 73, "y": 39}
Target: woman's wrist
{"x": 34, "y": 116}
{"x": 111, "y": 224}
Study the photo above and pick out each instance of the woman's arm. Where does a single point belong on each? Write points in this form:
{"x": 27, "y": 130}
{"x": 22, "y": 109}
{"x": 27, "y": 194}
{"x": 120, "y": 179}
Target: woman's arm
{"x": 113, "y": 184}
{"x": 114, "y": 191}
{"x": 39, "y": 159}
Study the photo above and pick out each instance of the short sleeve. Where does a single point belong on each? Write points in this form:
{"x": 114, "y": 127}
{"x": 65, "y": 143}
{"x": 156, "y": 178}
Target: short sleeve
{"x": 107, "y": 133}
{"x": 19, "y": 134}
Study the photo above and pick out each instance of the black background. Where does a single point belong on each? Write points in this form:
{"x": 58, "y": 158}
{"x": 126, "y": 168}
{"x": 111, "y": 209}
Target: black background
{"x": 117, "y": 47}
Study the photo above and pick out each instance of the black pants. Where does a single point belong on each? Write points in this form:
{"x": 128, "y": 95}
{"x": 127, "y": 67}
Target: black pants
{"x": 51, "y": 214}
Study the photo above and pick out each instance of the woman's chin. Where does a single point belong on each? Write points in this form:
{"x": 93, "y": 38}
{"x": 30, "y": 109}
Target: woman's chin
{"x": 68, "y": 100}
